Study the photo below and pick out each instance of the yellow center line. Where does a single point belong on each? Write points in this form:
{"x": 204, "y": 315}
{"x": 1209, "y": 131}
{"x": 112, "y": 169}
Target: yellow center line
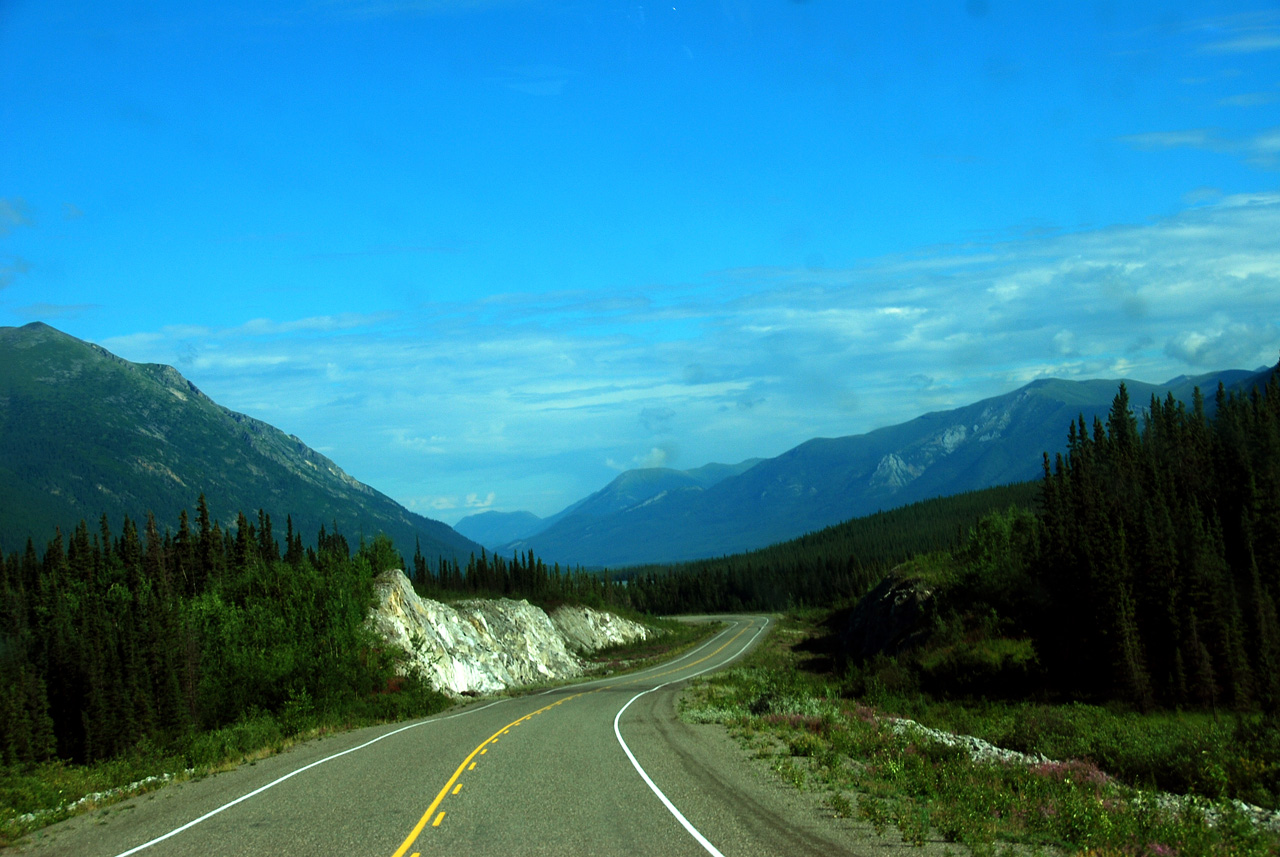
{"x": 483, "y": 747}
{"x": 435, "y": 804}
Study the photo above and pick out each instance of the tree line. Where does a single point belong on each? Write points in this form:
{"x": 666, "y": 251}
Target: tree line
{"x": 821, "y": 569}
{"x": 1144, "y": 566}
{"x": 1148, "y": 572}
{"x": 1158, "y": 551}
{"x": 524, "y": 575}
{"x": 110, "y": 641}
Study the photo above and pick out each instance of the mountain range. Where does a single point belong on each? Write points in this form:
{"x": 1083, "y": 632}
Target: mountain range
{"x": 662, "y": 515}
{"x": 85, "y": 433}
{"x": 629, "y": 490}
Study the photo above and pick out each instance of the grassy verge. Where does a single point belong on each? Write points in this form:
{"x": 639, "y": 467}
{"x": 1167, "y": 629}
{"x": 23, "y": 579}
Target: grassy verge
{"x": 35, "y": 796}
{"x": 1198, "y": 753}
{"x": 816, "y": 737}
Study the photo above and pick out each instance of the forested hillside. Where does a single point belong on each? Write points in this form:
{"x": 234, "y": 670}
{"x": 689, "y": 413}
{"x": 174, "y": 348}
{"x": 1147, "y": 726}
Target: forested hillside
{"x": 1149, "y": 574}
{"x": 1144, "y": 566}
{"x": 110, "y": 641}
{"x": 114, "y": 640}
{"x": 85, "y": 433}
{"x": 823, "y": 568}
{"x": 1160, "y": 553}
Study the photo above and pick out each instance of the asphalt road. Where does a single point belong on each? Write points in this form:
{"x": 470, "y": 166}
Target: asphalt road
{"x": 601, "y": 768}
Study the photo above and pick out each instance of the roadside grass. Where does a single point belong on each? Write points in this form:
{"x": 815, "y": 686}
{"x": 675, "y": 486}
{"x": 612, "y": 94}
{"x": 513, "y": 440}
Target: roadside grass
{"x": 1198, "y": 753}
{"x": 817, "y": 737}
{"x": 35, "y": 796}
{"x": 56, "y": 790}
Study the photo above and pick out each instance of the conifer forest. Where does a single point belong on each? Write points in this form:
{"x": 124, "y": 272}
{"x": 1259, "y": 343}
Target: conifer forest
{"x": 1144, "y": 567}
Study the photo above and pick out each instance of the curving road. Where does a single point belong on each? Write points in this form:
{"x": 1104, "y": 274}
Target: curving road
{"x": 602, "y": 767}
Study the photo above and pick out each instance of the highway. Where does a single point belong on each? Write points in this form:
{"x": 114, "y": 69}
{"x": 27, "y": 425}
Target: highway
{"x": 601, "y": 767}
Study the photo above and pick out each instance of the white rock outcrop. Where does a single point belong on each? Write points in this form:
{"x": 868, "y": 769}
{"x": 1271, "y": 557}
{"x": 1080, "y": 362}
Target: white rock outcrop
{"x": 586, "y": 630}
{"x": 487, "y": 645}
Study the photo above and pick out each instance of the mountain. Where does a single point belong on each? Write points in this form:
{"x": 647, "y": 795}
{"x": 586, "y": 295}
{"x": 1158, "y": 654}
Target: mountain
{"x": 634, "y": 488}
{"x": 630, "y": 489}
{"x": 84, "y": 432}
{"x": 492, "y": 529}
{"x": 828, "y": 480}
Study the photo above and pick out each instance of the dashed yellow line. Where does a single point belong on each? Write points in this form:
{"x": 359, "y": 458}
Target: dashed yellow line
{"x": 482, "y": 749}
{"x": 469, "y": 763}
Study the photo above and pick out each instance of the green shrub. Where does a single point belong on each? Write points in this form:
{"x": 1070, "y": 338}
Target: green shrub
{"x": 991, "y": 667}
{"x": 254, "y": 732}
{"x": 929, "y": 789}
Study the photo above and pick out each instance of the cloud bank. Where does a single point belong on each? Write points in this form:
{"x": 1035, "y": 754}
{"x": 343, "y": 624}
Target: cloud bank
{"x": 531, "y": 400}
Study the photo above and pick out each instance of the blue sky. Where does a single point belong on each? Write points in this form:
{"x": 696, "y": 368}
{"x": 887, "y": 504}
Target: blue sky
{"x": 487, "y": 254}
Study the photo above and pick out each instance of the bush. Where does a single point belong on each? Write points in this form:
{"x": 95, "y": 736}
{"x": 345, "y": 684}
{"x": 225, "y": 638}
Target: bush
{"x": 250, "y": 735}
{"x": 990, "y": 667}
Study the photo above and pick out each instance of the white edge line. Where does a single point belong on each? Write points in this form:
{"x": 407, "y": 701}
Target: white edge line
{"x": 276, "y": 782}
{"x": 642, "y": 673}
{"x": 280, "y": 780}
{"x": 693, "y": 831}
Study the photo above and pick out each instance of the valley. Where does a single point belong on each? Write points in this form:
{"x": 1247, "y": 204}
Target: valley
{"x": 1148, "y": 545}
{"x": 752, "y": 427}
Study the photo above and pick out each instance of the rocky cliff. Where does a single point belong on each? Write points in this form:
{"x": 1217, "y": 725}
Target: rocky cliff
{"x": 487, "y": 645}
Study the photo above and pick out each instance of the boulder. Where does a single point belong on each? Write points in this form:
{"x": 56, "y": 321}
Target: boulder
{"x": 895, "y": 616}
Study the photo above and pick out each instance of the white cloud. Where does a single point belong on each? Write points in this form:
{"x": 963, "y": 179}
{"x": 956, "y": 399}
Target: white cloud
{"x": 537, "y": 79}
{"x": 655, "y": 457}
{"x": 530, "y": 394}
{"x": 1259, "y": 149}
{"x": 423, "y": 505}
{"x": 1195, "y": 138}
{"x": 475, "y": 501}
{"x": 10, "y": 270}
{"x": 1216, "y": 347}
{"x": 1247, "y": 43}
{"x": 1248, "y": 99}
{"x": 312, "y": 324}
{"x": 14, "y": 213}
{"x": 1242, "y": 33}
{"x": 1200, "y": 195}
{"x": 44, "y": 312}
